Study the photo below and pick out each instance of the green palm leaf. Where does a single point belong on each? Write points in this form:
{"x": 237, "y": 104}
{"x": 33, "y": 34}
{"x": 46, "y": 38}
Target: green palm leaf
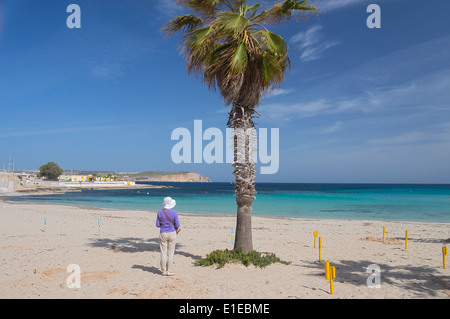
{"x": 283, "y": 11}
{"x": 252, "y": 9}
{"x": 187, "y": 22}
{"x": 229, "y": 46}
{"x": 273, "y": 42}
{"x": 234, "y": 22}
{"x": 201, "y": 6}
{"x": 199, "y": 36}
{"x": 240, "y": 58}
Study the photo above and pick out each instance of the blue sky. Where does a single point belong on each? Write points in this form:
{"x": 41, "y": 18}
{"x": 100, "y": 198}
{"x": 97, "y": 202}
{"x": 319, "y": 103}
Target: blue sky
{"x": 359, "y": 105}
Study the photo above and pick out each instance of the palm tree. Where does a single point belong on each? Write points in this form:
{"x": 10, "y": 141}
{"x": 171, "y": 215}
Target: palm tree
{"x": 227, "y": 44}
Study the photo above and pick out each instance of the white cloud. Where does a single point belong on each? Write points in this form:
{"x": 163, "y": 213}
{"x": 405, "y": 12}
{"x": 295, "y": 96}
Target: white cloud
{"x": 286, "y": 112}
{"x": 415, "y": 100}
{"x": 395, "y": 68}
{"x": 307, "y": 38}
{"x": 439, "y": 133}
{"x": 333, "y": 128}
{"x": 314, "y": 53}
{"x": 312, "y": 44}
{"x": 320, "y": 107}
{"x": 63, "y": 130}
{"x": 392, "y": 90}
{"x": 405, "y": 138}
{"x": 410, "y": 102}
{"x": 328, "y": 5}
{"x": 168, "y": 7}
{"x": 277, "y": 92}
{"x": 106, "y": 72}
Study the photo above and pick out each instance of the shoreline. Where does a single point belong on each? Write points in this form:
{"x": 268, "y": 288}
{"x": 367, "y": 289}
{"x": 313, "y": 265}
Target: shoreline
{"x": 122, "y": 261}
{"x": 56, "y": 190}
{"x": 87, "y": 207}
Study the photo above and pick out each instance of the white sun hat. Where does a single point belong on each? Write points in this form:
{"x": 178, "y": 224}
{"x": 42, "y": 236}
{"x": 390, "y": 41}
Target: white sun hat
{"x": 169, "y": 203}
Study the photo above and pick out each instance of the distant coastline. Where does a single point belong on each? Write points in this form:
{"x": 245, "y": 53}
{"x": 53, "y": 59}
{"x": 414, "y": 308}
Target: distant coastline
{"x": 19, "y": 184}
{"x": 164, "y": 176}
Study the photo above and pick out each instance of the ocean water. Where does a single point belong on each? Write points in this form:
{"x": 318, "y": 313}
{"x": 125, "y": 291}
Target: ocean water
{"x": 422, "y": 203}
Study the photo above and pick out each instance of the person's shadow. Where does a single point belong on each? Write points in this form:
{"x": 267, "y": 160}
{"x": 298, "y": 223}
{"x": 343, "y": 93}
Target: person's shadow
{"x": 127, "y": 244}
{"x": 136, "y": 245}
{"x": 151, "y": 269}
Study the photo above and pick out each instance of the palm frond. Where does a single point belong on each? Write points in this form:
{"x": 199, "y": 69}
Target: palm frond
{"x": 227, "y": 44}
{"x": 273, "y": 69}
{"x": 231, "y": 21}
{"x": 197, "y": 37}
{"x": 283, "y": 11}
{"x": 240, "y": 58}
{"x": 201, "y": 6}
{"x": 273, "y": 42}
{"x": 187, "y": 22}
{"x": 253, "y": 9}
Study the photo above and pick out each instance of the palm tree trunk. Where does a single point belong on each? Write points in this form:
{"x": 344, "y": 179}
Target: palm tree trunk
{"x": 244, "y": 223}
{"x": 241, "y": 120}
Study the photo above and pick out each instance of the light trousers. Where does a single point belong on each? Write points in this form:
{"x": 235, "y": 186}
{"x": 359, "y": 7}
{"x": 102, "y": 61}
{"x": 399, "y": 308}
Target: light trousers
{"x": 167, "y": 246}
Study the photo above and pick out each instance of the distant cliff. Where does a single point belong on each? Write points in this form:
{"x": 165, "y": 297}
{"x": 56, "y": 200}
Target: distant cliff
{"x": 164, "y": 176}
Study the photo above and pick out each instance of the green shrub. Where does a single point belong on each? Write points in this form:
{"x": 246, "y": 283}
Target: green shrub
{"x": 221, "y": 257}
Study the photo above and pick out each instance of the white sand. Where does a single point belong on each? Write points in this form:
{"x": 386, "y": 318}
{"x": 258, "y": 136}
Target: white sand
{"x": 123, "y": 261}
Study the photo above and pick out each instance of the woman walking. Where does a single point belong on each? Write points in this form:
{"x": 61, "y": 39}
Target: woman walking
{"x": 167, "y": 221}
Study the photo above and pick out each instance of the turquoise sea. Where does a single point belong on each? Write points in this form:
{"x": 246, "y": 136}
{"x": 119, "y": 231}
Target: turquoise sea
{"x": 424, "y": 203}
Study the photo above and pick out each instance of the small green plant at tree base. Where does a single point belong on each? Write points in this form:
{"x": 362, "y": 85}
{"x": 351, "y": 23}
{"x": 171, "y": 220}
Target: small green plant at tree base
{"x": 221, "y": 257}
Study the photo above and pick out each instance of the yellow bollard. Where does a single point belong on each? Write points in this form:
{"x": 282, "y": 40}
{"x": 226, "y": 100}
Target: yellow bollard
{"x": 384, "y": 232}
{"x": 406, "y": 240}
{"x": 332, "y": 275}
{"x": 320, "y": 249}
{"x": 327, "y": 270}
{"x": 444, "y": 253}
{"x": 232, "y": 235}
{"x": 316, "y": 233}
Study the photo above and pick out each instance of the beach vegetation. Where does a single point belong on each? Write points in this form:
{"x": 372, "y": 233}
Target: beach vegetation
{"x": 222, "y": 257}
{"x": 228, "y": 45}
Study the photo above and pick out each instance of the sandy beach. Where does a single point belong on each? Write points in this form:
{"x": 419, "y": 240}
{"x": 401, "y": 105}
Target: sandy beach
{"x": 123, "y": 260}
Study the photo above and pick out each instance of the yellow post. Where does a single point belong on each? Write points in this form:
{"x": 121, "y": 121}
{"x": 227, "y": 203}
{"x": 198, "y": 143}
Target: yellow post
{"x": 327, "y": 270}
{"x": 444, "y": 253}
{"x": 384, "y": 232}
{"x": 406, "y": 240}
{"x": 332, "y": 275}
{"x": 320, "y": 247}
{"x": 316, "y": 233}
